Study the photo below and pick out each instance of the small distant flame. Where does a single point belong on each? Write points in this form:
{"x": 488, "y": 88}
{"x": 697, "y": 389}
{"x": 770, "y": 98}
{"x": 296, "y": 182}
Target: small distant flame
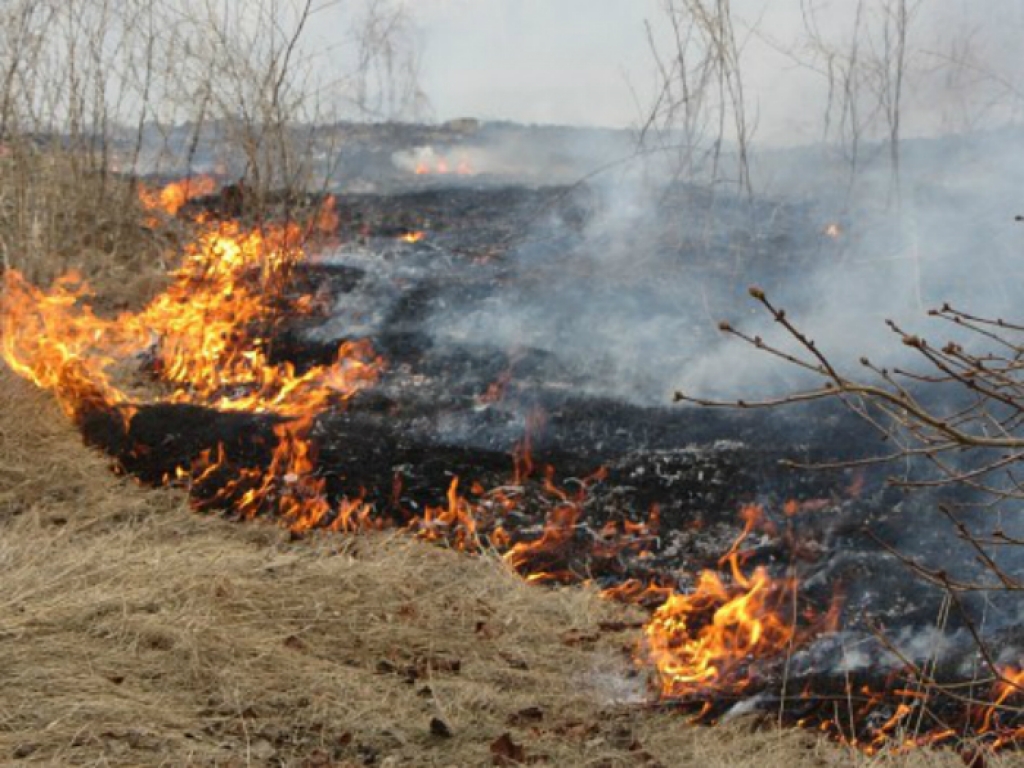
{"x": 425, "y": 161}
{"x": 495, "y": 391}
{"x": 442, "y": 167}
{"x": 833, "y": 230}
{"x": 173, "y": 196}
{"x": 413, "y": 237}
{"x": 327, "y": 217}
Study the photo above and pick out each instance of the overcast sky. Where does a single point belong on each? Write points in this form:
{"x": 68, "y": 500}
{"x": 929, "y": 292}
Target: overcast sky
{"x": 587, "y": 61}
{"x": 545, "y": 61}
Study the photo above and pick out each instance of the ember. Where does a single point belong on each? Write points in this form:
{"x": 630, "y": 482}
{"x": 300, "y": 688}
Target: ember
{"x": 833, "y": 230}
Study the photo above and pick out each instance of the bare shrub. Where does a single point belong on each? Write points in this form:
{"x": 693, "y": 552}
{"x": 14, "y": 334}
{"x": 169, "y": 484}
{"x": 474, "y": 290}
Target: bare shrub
{"x": 957, "y": 425}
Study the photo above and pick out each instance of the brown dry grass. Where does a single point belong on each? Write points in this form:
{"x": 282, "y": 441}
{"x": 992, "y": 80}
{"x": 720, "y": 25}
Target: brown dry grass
{"x": 58, "y": 213}
{"x": 133, "y": 632}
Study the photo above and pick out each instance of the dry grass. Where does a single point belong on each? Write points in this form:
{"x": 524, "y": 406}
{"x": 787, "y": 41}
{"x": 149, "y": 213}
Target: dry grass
{"x": 58, "y": 213}
{"x": 133, "y": 632}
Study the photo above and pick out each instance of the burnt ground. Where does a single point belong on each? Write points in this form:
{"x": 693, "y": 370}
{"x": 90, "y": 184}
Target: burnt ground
{"x": 457, "y": 407}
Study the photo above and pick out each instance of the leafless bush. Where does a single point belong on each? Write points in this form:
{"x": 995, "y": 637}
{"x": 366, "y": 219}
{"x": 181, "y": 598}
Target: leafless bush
{"x": 700, "y": 111}
{"x": 866, "y": 76}
{"x": 387, "y": 72}
{"x": 959, "y": 421}
{"x": 94, "y": 93}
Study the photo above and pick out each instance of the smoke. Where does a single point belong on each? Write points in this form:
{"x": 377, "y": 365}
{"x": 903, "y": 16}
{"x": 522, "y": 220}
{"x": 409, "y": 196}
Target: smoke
{"x": 635, "y": 298}
{"x": 840, "y": 232}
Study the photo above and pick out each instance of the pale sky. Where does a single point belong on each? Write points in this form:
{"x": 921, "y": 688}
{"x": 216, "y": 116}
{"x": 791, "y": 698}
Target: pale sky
{"x": 544, "y": 61}
{"x": 586, "y": 62}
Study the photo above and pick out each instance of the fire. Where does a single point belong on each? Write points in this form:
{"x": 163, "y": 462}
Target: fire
{"x": 413, "y": 237}
{"x": 288, "y": 489}
{"x": 439, "y": 165}
{"x": 543, "y": 559}
{"x": 709, "y": 641}
{"x": 173, "y": 196}
{"x": 495, "y": 391}
{"x": 327, "y": 218}
{"x": 456, "y": 523}
{"x": 1007, "y": 694}
{"x": 205, "y": 341}
{"x": 48, "y": 342}
{"x": 203, "y": 337}
{"x": 229, "y": 285}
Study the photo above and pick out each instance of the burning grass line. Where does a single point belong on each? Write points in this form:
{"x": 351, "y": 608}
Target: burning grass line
{"x": 203, "y": 333}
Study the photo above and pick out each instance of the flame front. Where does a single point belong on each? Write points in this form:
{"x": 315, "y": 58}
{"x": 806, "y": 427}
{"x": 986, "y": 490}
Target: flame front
{"x": 205, "y": 340}
{"x": 205, "y": 334}
{"x": 59, "y": 345}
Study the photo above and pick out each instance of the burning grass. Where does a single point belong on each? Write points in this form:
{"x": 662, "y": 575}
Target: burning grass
{"x": 243, "y": 643}
{"x": 133, "y": 632}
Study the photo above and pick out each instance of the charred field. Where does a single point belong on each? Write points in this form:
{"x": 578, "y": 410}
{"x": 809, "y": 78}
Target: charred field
{"x": 362, "y": 375}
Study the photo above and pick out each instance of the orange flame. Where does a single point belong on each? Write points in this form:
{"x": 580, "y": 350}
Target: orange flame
{"x": 205, "y": 339}
{"x": 707, "y": 639}
{"x": 442, "y": 166}
{"x": 173, "y": 196}
{"x": 543, "y": 559}
{"x": 198, "y": 333}
{"x": 57, "y": 348}
{"x": 327, "y": 218}
{"x": 706, "y": 642}
{"x": 456, "y": 523}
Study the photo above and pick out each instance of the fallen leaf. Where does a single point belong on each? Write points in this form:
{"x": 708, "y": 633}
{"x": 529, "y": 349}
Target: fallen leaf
{"x": 428, "y": 664}
{"x": 486, "y": 630}
{"x": 504, "y": 751}
{"x": 514, "y": 661}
